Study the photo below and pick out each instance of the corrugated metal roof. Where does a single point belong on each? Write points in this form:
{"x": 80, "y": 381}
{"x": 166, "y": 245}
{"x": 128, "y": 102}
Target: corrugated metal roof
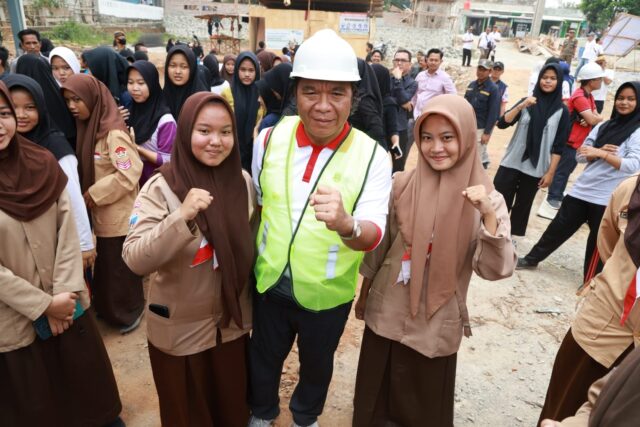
{"x": 363, "y": 6}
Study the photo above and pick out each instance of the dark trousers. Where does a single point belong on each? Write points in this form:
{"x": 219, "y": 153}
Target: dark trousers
{"x": 518, "y": 190}
{"x": 573, "y": 373}
{"x": 566, "y": 166}
{"x": 405, "y": 146}
{"x": 466, "y": 57}
{"x": 572, "y": 214}
{"x": 599, "y": 106}
{"x": 275, "y": 326}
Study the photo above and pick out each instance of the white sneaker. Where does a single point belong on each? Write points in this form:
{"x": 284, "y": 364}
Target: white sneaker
{"x": 259, "y": 422}
{"x": 546, "y": 210}
{"x": 293, "y": 424}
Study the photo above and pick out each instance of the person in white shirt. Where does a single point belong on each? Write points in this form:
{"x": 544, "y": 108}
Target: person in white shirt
{"x": 590, "y": 51}
{"x": 494, "y": 39}
{"x": 600, "y": 95}
{"x": 467, "y": 46}
{"x": 483, "y": 43}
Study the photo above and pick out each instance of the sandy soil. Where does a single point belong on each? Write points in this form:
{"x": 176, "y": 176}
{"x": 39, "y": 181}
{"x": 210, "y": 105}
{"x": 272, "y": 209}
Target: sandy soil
{"x": 503, "y": 368}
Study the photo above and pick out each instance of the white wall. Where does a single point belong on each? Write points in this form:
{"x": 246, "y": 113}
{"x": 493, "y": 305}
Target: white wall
{"x": 129, "y": 10}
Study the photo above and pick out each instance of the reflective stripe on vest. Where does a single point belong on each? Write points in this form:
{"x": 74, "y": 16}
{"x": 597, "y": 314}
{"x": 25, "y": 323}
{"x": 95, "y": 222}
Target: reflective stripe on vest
{"x": 324, "y": 271}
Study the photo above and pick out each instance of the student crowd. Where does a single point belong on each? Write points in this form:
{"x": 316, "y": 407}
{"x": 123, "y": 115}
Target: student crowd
{"x": 253, "y": 192}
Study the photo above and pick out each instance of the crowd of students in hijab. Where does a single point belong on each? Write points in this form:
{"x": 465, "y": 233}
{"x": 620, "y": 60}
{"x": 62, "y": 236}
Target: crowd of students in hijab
{"x": 82, "y": 141}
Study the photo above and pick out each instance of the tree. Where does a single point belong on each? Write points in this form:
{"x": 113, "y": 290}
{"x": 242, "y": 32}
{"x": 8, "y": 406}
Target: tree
{"x": 600, "y": 13}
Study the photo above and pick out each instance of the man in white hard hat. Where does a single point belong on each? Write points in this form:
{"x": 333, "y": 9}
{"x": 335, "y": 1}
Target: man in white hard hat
{"x": 584, "y": 116}
{"x": 324, "y": 189}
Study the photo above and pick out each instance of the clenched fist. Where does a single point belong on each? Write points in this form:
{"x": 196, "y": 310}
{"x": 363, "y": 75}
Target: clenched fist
{"x": 477, "y": 196}
{"x": 197, "y": 200}
{"x": 327, "y": 203}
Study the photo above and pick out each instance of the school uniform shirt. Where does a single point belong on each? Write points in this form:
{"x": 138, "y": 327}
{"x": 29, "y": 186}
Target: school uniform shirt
{"x": 117, "y": 171}
{"x": 430, "y": 85}
{"x": 485, "y": 100}
{"x": 579, "y": 102}
{"x": 309, "y": 160}
{"x": 187, "y": 279}
{"x": 596, "y": 327}
{"x": 467, "y": 41}
{"x": 388, "y": 311}
{"x": 38, "y": 259}
{"x": 598, "y": 180}
{"x": 161, "y": 143}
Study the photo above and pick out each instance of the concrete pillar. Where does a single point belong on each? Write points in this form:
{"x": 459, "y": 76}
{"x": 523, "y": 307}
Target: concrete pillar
{"x": 537, "y": 18}
{"x": 16, "y": 16}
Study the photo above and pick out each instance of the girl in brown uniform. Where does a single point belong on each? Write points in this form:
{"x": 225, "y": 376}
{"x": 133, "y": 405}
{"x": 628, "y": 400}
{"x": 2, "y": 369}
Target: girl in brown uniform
{"x": 63, "y": 377}
{"x": 190, "y": 225}
{"x": 445, "y": 221}
{"x": 110, "y": 169}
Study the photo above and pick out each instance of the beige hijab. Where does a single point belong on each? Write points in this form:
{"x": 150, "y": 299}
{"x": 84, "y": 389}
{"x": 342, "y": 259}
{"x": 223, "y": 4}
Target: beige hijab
{"x": 430, "y": 203}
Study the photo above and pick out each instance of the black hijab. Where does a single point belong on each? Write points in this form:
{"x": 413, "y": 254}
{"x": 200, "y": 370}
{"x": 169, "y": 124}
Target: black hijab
{"x": 175, "y": 96}
{"x": 368, "y": 114}
{"x": 211, "y": 62}
{"x": 39, "y": 70}
{"x": 145, "y": 116}
{"x": 45, "y": 134}
{"x": 619, "y": 128}
{"x": 204, "y": 75}
{"x": 245, "y": 103}
{"x": 277, "y": 79}
{"x": 546, "y": 105}
{"x": 384, "y": 83}
{"x": 109, "y": 67}
{"x": 140, "y": 56}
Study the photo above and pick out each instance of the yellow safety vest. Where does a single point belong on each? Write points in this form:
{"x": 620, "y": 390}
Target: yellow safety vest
{"x": 324, "y": 271}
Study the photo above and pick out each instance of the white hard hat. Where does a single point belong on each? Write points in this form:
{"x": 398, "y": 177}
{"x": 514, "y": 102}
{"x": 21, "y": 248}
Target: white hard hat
{"x": 590, "y": 71}
{"x": 326, "y": 56}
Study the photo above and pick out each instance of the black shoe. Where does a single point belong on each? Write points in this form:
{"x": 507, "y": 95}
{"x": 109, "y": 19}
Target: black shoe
{"x": 525, "y": 264}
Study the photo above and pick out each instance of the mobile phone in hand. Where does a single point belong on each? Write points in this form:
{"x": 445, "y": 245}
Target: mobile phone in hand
{"x": 396, "y": 151}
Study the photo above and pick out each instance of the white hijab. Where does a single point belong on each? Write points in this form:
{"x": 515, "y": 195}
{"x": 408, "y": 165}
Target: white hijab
{"x": 68, "y": 56}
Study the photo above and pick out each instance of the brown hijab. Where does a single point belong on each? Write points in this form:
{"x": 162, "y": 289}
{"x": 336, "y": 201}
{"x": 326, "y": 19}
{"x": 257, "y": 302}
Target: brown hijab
{"x": 30, "y": 178}
{"x": 430, "y": 203}
{"x": 104, "y": 118}
{"x": 632, "y": 233}
{"x": 225, "y": 223}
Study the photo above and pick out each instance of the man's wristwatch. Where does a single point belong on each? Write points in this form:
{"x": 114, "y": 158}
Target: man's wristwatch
{"x": 356, "y": 231}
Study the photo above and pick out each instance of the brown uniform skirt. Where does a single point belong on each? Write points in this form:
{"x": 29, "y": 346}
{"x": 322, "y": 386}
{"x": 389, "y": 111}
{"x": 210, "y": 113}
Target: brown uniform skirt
{"x": 64, "y": 381}
{"x": 117, "y": 292}
{"x": 206, "y": 389}
{"x": 573, "y": 373}
{"x": 396, "y": 384}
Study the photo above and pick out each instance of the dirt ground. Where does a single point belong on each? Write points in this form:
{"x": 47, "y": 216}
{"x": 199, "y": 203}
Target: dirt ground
{"x": 503, "y": 368}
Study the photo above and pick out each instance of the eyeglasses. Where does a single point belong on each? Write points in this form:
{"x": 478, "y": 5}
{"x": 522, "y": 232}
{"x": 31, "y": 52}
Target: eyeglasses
{"x": 400, "y": 60}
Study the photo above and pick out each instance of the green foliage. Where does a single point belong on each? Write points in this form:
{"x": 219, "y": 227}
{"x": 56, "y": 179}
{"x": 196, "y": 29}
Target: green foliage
{"x": 85, "y": 35}
{"x": 600, "y": 13}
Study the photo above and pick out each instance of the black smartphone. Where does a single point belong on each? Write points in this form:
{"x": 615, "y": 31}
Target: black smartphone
{"x": 396, "y": 151}
{"x": 160, "y": 310}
